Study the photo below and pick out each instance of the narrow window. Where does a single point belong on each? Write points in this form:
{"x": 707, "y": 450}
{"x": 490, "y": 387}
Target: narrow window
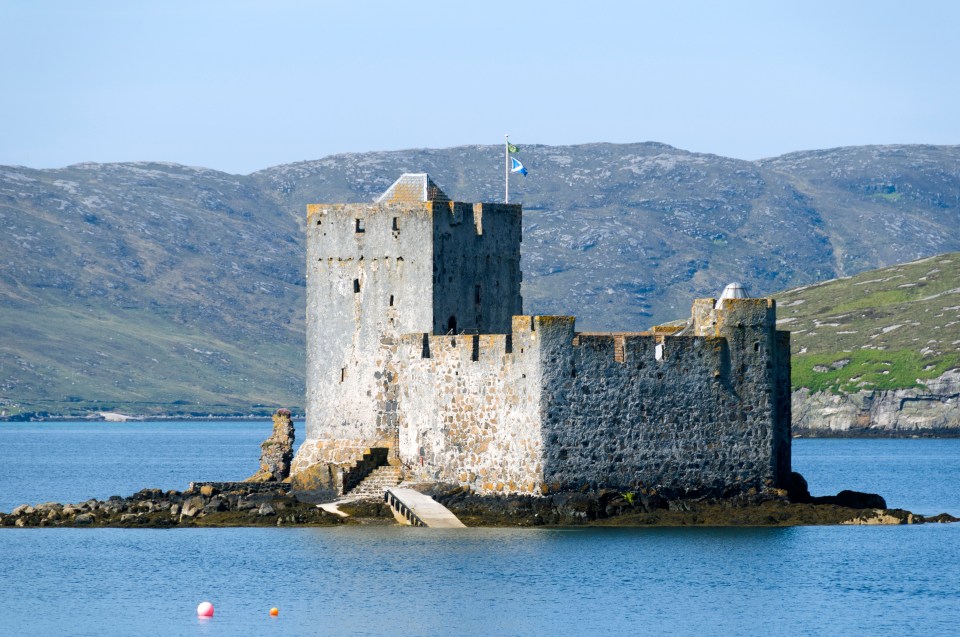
{"x": 396, "y": 224}
{"x": 475, "y": 354}
{"x": 452, "y": 325}
{"x": 343, "y": 374}
{"x": 478, "y": 294}
{"x": 356, "y": 286}
{"x": 391, "y": 300}
{"x": 360, "y": 225}
{"x": 426, "y": 346}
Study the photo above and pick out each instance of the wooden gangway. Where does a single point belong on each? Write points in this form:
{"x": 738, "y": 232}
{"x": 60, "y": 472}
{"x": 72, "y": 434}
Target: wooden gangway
{"x": 416, "y": 509}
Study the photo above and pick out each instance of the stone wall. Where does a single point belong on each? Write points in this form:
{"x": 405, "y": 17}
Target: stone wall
{"x": 684, "y": 414}
{"x": 376, "y": 271}
{"x": 550, "y": 409}
{"x": 476, "y": 250}
{"x": 469, "y": 409}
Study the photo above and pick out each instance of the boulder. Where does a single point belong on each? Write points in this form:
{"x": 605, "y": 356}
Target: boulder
{"x": 23, "y": 509}
{"x": 192, "y": 507}
{"x": 276, "y": 452}
{"x": 854, "y": 500}
{"x": 798, "y": 490}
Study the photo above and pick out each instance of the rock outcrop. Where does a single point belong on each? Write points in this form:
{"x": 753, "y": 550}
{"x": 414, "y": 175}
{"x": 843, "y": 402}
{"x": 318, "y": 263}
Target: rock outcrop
{"x": 930, "y": 411}
{"x": 276, "y": 452}
{"x": 208, "y": 504}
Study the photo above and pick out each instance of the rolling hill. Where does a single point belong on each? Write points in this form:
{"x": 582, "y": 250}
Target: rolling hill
{"x": 878, "y": 352}
{"x": 157, "y": 288}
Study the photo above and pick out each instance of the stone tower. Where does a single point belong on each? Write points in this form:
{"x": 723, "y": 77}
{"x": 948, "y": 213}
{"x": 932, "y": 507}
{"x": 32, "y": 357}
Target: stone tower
{"x": 413, "y": 262}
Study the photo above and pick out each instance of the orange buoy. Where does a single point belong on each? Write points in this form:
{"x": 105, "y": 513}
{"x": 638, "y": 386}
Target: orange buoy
{"x": 274, "y": 612}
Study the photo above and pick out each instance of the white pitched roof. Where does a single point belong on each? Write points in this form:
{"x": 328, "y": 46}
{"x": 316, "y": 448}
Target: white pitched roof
{"x": 413, "y": 188}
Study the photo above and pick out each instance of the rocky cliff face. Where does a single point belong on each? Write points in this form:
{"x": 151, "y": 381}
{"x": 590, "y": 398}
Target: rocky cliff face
{"x": 930, "y": 411}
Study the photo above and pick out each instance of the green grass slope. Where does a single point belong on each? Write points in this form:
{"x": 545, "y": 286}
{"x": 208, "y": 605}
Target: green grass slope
{"x": 73, "y": 361}
{"x": 891, "y": 328}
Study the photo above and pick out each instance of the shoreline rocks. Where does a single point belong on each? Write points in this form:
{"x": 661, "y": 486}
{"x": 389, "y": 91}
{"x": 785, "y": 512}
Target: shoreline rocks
{"x": 214, "y": 504}
{"x": 223, "y": 504}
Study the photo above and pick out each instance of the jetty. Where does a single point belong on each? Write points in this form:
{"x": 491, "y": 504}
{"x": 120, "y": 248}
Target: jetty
{"x": 416, "y": 509}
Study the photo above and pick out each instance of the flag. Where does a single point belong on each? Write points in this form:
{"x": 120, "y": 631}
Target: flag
{"x": 513, "y": 149}
{"x": 517, "y": 167}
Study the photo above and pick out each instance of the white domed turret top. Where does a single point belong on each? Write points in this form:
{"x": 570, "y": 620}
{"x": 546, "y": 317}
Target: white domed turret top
{"x": 732, "y": 291}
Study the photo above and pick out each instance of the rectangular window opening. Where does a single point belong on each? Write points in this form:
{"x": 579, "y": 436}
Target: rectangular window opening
{"x": 478, "y": 295}
{"x": 360, "y": 225}
{"x": 425, "y": 353}
{"x": 343, "y": 374}
{"x": 356, "y": 286}
{"x": 396, "y": 224}
{"x": 391, "y": 300}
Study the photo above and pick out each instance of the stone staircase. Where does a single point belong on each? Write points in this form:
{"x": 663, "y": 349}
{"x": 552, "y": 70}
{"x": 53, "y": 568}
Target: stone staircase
{"x": 376, "y": 483}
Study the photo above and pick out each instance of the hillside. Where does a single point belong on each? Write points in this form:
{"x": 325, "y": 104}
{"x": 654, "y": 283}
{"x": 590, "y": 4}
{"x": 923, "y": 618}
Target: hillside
{"x": 879, "y": 351}
{"x": 153, "y": 287}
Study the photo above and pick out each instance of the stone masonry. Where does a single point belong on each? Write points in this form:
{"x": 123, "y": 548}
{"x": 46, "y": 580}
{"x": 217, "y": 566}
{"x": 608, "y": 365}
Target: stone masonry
{"x": 417, "y": 346}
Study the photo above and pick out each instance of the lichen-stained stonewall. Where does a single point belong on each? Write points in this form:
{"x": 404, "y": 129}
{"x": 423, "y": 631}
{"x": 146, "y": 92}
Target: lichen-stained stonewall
{"x": 417, "y": 346}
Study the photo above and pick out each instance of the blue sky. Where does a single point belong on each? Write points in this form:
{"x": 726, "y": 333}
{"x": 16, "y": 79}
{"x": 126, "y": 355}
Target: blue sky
{"x": 240, "y": 86}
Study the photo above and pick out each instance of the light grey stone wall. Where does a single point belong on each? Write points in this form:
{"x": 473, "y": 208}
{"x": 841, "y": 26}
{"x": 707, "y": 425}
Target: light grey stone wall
{"x": 470, "y": 410}
{"x": 369, "y": 268}
{"x": 376, "y": 271}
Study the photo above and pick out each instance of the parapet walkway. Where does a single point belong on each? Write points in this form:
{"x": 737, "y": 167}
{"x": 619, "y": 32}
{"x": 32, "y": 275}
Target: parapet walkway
{"x": 414, "y": 508}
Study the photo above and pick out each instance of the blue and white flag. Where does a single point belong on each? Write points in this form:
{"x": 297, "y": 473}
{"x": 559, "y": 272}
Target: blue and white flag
{"x": 517, "y": 167}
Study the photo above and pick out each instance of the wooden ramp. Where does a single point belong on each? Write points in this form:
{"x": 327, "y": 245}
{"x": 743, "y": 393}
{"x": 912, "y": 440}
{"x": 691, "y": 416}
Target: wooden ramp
{"x": 413, "y": 508}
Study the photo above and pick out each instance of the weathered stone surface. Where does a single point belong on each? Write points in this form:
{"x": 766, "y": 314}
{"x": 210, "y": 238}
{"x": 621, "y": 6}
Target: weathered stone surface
{"x": 276, "y": 452}
{"x": 933, "y": 410}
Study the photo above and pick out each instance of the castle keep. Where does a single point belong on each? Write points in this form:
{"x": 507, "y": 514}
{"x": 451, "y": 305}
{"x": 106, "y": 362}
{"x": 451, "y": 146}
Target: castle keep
{"x": 419, "y": 356}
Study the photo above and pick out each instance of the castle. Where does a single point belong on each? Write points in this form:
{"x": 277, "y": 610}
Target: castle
{"x": 419, "y": 356}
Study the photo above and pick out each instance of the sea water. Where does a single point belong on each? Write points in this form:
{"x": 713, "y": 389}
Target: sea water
{"x": 408, "y": 581}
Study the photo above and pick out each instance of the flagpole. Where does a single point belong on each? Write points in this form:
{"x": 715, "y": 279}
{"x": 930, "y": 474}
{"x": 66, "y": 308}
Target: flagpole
{"x": 506, "y": 168}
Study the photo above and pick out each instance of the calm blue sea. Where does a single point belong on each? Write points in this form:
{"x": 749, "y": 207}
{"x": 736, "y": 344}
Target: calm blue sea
{"x": 404, "y": 581}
